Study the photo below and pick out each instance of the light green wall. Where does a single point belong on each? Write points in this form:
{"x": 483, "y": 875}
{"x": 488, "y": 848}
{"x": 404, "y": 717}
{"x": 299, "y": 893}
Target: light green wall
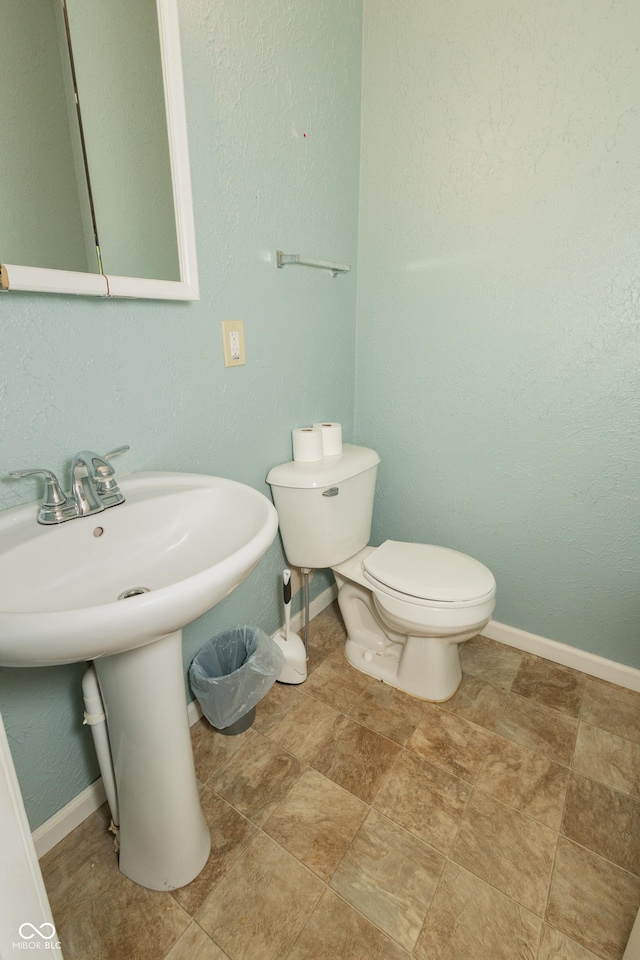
{"x": 498, "y": 307}
{"x": 79, "y": 372}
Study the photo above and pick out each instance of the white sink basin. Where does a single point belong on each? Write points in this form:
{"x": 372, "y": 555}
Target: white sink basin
{"x": 189, "y": 539}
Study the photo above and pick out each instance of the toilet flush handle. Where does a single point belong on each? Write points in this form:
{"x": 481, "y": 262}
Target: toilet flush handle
{"x": 331, "y": 492}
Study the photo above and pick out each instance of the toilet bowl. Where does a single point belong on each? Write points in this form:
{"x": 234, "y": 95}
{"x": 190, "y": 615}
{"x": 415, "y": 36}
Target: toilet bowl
{"x": 406, "y": 606}
{"x": 409, "y": 641}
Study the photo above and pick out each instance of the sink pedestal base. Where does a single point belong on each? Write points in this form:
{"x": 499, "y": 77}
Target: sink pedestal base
{"x": 164, "y": 839}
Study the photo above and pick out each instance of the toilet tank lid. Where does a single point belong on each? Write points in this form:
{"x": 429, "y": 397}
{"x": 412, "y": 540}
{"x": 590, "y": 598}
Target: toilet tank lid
{"x": 324, "y": 473}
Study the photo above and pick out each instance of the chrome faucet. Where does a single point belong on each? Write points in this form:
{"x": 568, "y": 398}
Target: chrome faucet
{"x": 93, "y": 488}
{"x": 89, "y": 471}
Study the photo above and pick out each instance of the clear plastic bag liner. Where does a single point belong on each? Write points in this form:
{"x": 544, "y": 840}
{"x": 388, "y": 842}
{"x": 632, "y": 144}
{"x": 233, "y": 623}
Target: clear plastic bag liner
{"x": 232, "y": 672}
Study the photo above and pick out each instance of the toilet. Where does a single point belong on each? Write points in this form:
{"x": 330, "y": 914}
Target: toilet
{"x": 406, "y": 606}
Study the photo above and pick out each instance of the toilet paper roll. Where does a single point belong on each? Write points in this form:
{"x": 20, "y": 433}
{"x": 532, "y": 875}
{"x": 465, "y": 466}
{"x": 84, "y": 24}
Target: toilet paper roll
{"x": 331, "y": 438}
{"x": 307, "y": 444}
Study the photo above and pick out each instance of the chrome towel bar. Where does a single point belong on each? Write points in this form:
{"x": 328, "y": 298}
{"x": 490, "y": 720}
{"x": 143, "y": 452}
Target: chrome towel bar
{"x": 282, "y": 259}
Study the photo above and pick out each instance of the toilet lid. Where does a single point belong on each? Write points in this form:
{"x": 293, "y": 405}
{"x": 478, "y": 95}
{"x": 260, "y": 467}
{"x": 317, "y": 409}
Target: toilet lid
{"x": 428, "y": 572}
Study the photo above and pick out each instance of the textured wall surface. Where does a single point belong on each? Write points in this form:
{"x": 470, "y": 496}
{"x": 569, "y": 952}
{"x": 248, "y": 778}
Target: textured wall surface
{"x": 273, "y": 103}
{"x": 498, "y": 299}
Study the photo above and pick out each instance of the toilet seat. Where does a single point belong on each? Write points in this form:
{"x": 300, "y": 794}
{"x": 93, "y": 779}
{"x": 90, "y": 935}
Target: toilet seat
{"x": 428, "y": 575}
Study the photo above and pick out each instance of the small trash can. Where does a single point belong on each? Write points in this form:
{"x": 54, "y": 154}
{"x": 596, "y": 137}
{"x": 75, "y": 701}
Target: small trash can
{"x": 231, "y": 673}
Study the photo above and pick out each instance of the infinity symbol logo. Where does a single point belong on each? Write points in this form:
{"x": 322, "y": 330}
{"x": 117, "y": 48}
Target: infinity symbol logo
{"x": 40, "y": 931}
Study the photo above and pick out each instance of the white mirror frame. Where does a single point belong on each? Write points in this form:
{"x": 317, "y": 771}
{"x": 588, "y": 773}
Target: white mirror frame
{"x": 41, "y": 280}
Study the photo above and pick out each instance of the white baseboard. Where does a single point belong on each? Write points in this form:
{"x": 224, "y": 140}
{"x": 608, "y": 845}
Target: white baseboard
{"x": 57, "y": 827}
{"x": 194, "y": 712}
{"x": 589, "y": 663}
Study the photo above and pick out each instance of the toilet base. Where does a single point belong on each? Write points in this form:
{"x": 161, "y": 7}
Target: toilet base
{"x": 386, "y": 664}
{"x": 427, "y": 667}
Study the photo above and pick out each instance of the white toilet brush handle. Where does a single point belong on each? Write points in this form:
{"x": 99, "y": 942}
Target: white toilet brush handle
{"x": 286, "y": 594}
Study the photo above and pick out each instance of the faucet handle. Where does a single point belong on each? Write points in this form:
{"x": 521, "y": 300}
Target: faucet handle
{"x": 55, "y": 507}
{"x": 105, "y": 479}
{"x": 117, "y": 452}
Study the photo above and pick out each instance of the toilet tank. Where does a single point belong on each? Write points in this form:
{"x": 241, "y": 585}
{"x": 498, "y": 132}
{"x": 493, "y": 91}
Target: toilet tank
{"x": 325, "y": 508}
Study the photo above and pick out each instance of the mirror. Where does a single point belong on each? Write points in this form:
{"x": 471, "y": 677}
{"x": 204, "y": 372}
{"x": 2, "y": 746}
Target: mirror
{"x": 99, "y": 195}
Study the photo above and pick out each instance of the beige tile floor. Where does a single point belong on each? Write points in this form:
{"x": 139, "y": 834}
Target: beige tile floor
{"x": 352, "y": 822}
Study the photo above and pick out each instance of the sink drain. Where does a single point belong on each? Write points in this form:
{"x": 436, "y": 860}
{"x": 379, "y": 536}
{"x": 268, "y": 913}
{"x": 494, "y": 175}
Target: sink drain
{"x": 134, "y": 592}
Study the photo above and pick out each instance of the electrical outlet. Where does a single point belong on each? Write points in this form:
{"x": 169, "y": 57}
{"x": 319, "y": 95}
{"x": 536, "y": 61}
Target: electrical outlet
{"x": 233, "y": 343}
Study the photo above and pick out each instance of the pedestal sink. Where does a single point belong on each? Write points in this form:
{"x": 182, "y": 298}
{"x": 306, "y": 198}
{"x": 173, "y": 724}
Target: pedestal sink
{"x": 117, "y": 588}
